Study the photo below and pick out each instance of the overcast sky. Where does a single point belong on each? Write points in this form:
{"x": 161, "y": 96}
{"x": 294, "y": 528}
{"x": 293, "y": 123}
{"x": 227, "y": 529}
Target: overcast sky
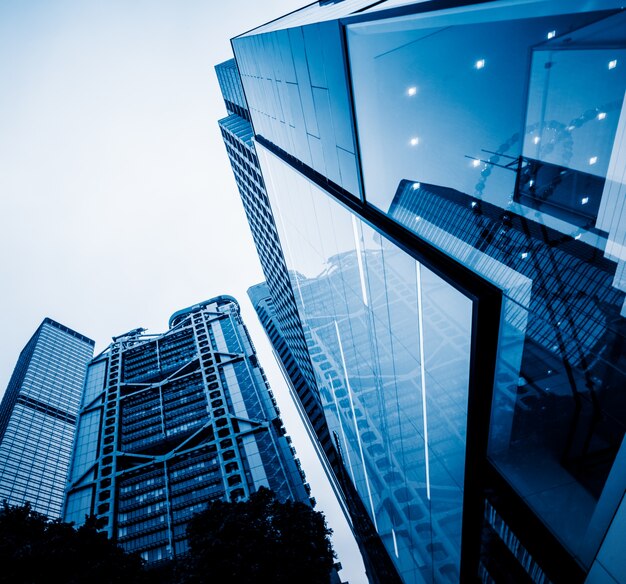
{"x": 117, "y": 202}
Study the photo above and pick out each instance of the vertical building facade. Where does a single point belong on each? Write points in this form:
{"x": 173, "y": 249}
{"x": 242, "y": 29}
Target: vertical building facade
{"x": 448, "y": 185}
{"x": 237, "y": 134}
{"x": 279, "y": 313}
{"x": 38, "y": 417}
{"x": 173, "y": 421}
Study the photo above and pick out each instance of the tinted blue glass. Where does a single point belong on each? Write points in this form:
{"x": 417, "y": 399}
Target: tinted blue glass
{"x": 449, "y": 93}
{"x": 39, "y": 425}
{"x": 298, "y": 95}
{"x": 390, "y": 345}
{"x": 499, "y": 135}
{"x": 94, "y": 382}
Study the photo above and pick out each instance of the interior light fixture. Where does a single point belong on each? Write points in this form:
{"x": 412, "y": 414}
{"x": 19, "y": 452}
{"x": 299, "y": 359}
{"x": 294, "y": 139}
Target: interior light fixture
{"x": 613, "y": 64}
{"x": 551, "y": 34}
{"x": 584, "y": 200}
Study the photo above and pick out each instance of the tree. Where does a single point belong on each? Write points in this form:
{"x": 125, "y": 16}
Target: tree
{"x": 258, "y": 540}
{"x": 35, "y": 549}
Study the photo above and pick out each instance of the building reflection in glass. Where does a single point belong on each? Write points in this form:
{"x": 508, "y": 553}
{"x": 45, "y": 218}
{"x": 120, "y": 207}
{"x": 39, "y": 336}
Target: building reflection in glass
{"x": 521, "y": 179}
{"x": 394, "y": 385}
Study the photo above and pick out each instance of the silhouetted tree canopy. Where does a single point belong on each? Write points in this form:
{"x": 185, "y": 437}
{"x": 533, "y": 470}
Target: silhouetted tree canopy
{"x": 259, "y": 540}
{"x": 35, "y": 549}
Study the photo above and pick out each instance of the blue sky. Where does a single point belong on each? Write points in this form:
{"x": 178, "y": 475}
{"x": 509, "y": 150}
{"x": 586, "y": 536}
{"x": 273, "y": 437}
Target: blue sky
{"x": 117, "y": 203}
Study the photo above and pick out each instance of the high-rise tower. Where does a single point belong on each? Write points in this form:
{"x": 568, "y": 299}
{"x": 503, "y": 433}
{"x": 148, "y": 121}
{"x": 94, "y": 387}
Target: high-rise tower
{"x": 237, "y": 133}
{"x": 170, "y": 422}
{"x": 38, "y": 417}
{"x": 279, "y": 313}
{"x": 447, "y": 180}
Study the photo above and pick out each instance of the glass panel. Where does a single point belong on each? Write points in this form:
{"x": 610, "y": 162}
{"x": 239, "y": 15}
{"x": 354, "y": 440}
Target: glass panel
{"x": 574, "y": 102}
{"x": 94, "y": 381}
{"x": 448, "y": 102}
{"x": 78, "y": 506}
{"x": 86, "y": 444}
{"x": 499, "y": 136}
{"x": 390, "y": 344}
{"x": 298, "y": 95}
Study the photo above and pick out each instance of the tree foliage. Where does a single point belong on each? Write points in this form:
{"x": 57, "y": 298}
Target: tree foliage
{"x": 258, "y": 540}
{"x": 35, "y": 549}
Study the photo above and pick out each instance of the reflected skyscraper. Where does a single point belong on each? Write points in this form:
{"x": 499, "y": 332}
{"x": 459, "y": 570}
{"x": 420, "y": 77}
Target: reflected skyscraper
{"x": 447, "y": 181}
{"x": 38, "y": 417}
{"x": 172, "y": 421}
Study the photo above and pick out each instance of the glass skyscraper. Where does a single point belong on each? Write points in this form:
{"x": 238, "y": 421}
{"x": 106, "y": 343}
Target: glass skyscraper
{"x": 237, "y": 134}
{"x": 38, "y": 417}
{"x": 279, "y": 313}
{"x": 172, "y": 421}
{"x": 447, "y": 181}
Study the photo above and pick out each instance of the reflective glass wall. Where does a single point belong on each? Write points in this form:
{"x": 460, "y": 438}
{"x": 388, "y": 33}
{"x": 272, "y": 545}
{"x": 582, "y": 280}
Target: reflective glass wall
{"x": 498, "y": 134}
{"x": 390, "y": 344}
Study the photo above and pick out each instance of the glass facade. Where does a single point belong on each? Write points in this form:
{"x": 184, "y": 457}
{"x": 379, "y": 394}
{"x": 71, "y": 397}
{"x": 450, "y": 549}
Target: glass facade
{"x": 279, "y": 314}
{"x": 171, "y": 422}
{"x": 38, "y": 417}
{"x": 390, "y": 344}
{"x": 504, "y": 166}
{"x": 237, "y": 133}
{"x": 489, "y": 138}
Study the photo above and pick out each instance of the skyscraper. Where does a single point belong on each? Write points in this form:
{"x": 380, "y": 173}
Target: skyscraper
{"x": 237, "y": 134}
{"x": 447, "y": 180}
{"x": 38, "y": 417}
{"x": 172, "y": 421}
{"x": 279, "y": 313}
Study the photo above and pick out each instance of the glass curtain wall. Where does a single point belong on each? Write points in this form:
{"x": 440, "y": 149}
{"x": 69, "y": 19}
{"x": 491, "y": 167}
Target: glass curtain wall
{"x": 390, "y": 344}
{"x": 498, "y": 133}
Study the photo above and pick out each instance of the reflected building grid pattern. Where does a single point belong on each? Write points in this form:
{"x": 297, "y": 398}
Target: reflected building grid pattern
{"x": 172, "y": 421}
{"x": 448, "y": 186}
{"x": 38, "y": 417}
